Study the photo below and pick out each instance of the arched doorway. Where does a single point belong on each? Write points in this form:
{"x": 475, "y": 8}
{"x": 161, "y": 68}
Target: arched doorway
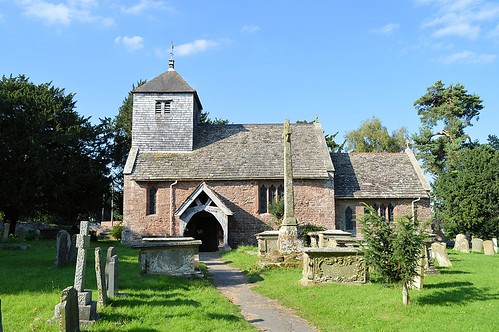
{"x": 205, "y": 227}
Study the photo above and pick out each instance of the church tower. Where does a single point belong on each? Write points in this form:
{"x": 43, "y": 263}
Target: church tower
{"x": 165, "y": 111}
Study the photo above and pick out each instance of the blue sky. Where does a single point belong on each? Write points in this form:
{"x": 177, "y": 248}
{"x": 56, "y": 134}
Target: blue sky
{"x": 262, "y": 61}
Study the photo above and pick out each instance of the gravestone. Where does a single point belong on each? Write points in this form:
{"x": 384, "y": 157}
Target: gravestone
{"x": 5, "y": 234}
{"x": 439, "y": 253}
{"x": 20, "y": 233}
{"x": 113, "y": 276}
{"x": 69, "y": 311}
{"x": 461, "y": 243}
{"x": 494, "y": 241}
{"x": 488, "y": 248}
{"x": 110, "y": 253}
{"x": 73, "y": 252}
{"x": 477, "y": 245}
{"x": 88, "y": 308}
{"x": 100, "y": 276}
{"x": 288, "y": 233}
{"x": 62, "y": 248}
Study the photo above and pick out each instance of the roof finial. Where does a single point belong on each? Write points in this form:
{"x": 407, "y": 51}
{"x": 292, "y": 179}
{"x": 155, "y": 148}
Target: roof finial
{"x": 171, "y": 62}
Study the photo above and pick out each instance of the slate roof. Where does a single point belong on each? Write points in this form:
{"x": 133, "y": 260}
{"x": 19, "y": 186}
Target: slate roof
{"x": 378, "y": 175}
{"x": 235, "y": 151}
{"x": 168, "y": 82}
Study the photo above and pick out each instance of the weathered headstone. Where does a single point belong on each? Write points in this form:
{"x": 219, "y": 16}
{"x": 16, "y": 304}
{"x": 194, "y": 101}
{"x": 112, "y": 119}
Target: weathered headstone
{"x": 494, "y": 241}
{"x": 88, "y": 308}
{"x": 5, "y": 234}
{"x": 461, "y": 243}
{"x": 438, "y": 251}
{"x": 110, "y": 253}
{"x": 288, "y": 232}
{"x": 488, "y": 248}
{"x": 477, "y": 245}
{"x": 99, "y": 274}
{"x": 63, "y": 244}
{"x": 113, "y": 276}
{"x": 73, "y": 251}
{"x": 417, "y": 282}
{"x": 68, "y": 310}
{"x": 20, "y": 233}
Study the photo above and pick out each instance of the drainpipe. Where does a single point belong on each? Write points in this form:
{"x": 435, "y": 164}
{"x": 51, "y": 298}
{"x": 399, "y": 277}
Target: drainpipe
{"x": 414, "y": 217}
{"x": 171, "y": 206}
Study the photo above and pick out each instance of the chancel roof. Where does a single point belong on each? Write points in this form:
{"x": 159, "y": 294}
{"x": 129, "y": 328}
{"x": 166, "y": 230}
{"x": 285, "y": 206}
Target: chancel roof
{"x": 236, "y": 152}
{"x": 378, "y": 175}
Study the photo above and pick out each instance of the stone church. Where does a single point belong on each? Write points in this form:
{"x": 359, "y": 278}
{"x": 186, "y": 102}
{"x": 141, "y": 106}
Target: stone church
{"x": 216, "y": 182}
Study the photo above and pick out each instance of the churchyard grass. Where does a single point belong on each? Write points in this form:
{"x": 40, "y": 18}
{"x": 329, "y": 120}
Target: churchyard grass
{"x": 30, "y": 286}
{"x": 462, "y": 298}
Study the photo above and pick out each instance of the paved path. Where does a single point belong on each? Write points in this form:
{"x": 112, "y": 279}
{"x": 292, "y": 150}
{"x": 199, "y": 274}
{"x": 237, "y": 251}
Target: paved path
{"x": 265, "y": 314}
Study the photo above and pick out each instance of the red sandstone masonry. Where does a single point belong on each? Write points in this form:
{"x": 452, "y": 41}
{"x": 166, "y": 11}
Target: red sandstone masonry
{"x": 314, "y": 204}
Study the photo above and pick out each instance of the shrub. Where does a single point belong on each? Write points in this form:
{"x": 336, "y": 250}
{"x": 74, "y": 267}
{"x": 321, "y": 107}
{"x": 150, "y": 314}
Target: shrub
{"x": 116, "y": 231}
{"x": 277, "y": 208}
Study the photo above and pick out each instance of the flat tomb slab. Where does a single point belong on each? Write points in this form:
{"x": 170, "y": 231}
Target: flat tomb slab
{"x": 172, "y": 257}
{"x": 333, "y": 265}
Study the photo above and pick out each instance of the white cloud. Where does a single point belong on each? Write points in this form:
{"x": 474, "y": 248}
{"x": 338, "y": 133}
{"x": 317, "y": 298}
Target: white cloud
{"x": 144, "y": 5}
{"x": 64, "y": 13}
{"x": 467, "y": 57}
{"x": 460, "y": 18}
{"x": 463, "y": 30}
{"x": 131, "y": 43}
{"x": 387, "y": 29}
{"x": 197, "y": 46}
{"x": 250, "y": 29}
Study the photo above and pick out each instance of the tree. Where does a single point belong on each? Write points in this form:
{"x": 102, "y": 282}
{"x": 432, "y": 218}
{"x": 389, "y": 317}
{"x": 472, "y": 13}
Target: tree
{"x": 467, "y": 193}
{"x": 445, "y": 113}
{"x": 372, "y": 136}
{"x": 53, "y": 161}
{"x": 331, "y": 144}
{"x": 205, "y": 118}
{"x": 393, "y": 249}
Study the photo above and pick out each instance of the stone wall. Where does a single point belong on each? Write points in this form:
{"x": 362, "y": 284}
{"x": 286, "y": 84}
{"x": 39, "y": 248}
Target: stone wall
{"x": 314, "y": 204}
{"x": 164, "y": 132}
{"x": 402, "y": 207}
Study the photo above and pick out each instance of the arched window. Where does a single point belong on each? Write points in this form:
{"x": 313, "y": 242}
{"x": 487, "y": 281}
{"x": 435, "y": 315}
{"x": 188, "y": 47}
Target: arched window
{"x": 390, "y": 212}
{"x": 272, "y": 193}
{"x": 349, "y": 220}
{"x": 262, "y": 205}
{"x": 382, "y": 211}
{"x": 280, "y": 191}
{"x": 151, "y": 200}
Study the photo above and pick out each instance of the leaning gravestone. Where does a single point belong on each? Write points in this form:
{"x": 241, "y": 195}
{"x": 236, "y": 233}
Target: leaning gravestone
{"x": 88, "y": 308}
{"x": 488, "y": 248}
{"x": 494, "y": 241}
{"x": 101, "y": 280}
{"x": 477, "y": 245}
{"x": 63, "y": 244}
{"x": 69, "y": 311}
{"x": 5, "y": 234}
{"x": 113, "y": 276}
{"x": 110, "y": 253}
{"x": 462, "y": 243}
{"x": 438, "y": 251}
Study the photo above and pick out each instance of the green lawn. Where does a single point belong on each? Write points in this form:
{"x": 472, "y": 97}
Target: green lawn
{"x": 30, "y": 286}
{"x": 462, "y": 298}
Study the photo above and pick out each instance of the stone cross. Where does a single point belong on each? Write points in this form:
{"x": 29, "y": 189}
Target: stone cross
{"x": 289, "y": 205}
{"x": 99, "y": 275}
{"x": 288, "y": 233}
{"x": 69, "y": 311}
{"x": 82, "y": 243}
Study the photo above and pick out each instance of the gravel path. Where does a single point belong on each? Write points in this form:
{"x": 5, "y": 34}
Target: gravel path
{"x": 265, "y": 314}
